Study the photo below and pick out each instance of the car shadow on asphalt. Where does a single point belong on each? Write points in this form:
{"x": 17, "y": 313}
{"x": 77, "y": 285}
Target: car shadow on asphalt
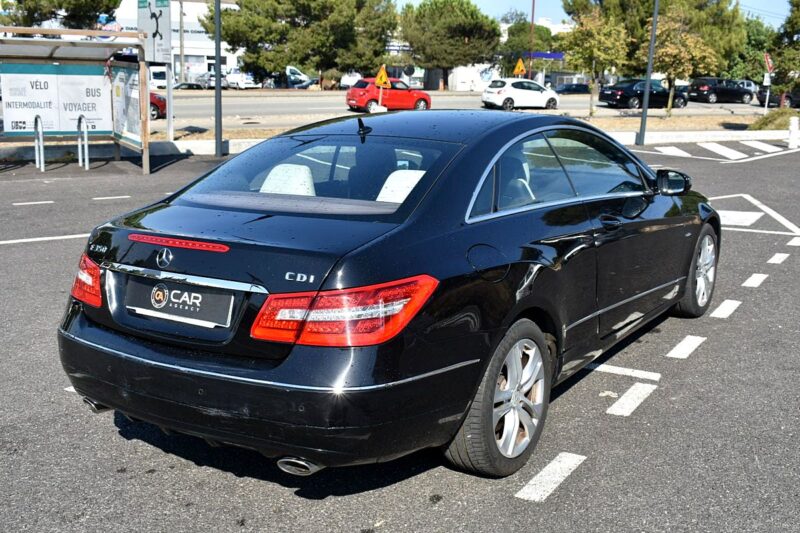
{"x": 251, "y": 464}
{"x": 634, "y": 338}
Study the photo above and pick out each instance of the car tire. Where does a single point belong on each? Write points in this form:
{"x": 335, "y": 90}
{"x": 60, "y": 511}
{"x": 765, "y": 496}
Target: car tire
{"x": 508, "y": 104}
{"x": 154, "y": 114}
{"x": 712, "y": 98}
{"x": 371, "y": 105}
{"x": 747, "y": 98}
{"x": 476, "y": 447}
{"x": 634, "y": 103}
{"x": 679, "y": 103}
{"x": 787, "y": 102}
{"x": 551, "y": 104}
{"x": 421, "y": 105}
{"x": 701, "y": 278}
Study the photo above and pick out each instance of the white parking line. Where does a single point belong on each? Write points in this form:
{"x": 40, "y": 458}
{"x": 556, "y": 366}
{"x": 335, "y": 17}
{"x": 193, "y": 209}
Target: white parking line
{"x": 764, "y": 147}
{"x": 778, "y": 258}
{"x": 685, "y": 348}
{"x": 621, "y": 371}
{"x": 42, "y": 202}
{"x": 42, "y": 239}
{"x": 766, "y": 231}
{"x": 672, "y": 150}
{"x": 794, "y": 242}
{"x": 726, "y": 309}
{"x": 724, "y": 151}
{"x": 632, "y": 398}
{"x": 739, "y": 218}
{"x": 755, "y": 280}
{"x": 550, "y": 477}
{"x": 111, "y": 197}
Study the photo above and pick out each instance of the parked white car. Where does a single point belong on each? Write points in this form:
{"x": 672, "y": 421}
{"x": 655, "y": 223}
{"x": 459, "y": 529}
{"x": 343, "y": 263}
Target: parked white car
{"x": 513, "y": 93}
{"x": 240, "y": 80}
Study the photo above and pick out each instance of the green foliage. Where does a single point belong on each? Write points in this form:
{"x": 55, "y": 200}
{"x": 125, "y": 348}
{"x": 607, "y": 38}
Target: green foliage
{"x": 320, "y": 34}
{"x": 787, "y": 56}
{"x": 680, "y": 52}
{"x": 749, "y": 63}
{"x": 82, "y": 14}
{"x": 519, "y": 42}
{"x": 30, "y": 12}
{"x": 776, "y": 119}
{"x": 448, "y": 33}
{"x": 513, "y": 16}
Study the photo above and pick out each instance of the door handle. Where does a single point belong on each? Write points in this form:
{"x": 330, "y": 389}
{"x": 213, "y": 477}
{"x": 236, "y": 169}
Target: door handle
{"x": 610, "y": 222}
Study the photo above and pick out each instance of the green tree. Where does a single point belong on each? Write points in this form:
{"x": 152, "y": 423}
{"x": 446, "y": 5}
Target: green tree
{"x": 519, "y": 42}
{"x": 375, "y": 22}
{"x": 449, "y": 33}
{"x": 595, "y": 44}
{"x": 787, "y": 56}
{"x": 679, "y": 52}
{"x": 749, "y": 63}
{"x": 83, "y": 14}
{"x": 29, "y": 13}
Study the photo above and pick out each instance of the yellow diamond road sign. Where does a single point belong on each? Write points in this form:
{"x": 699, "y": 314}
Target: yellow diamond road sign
{"x": 519, "y": 70}
{"x": 382, "y": 79}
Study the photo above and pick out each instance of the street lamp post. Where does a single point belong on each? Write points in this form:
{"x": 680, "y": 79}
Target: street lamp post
{"x": 180, "y": 32}
{"x": 646, "y": 100}
{"x": 217, "y": 78}
{"x": 533, "y": 36}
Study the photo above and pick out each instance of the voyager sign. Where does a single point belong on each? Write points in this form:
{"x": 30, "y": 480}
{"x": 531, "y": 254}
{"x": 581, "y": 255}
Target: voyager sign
{"x": 59, "y": 94}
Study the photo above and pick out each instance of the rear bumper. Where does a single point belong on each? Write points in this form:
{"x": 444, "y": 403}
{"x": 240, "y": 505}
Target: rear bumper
{"x": 333, "y": 427}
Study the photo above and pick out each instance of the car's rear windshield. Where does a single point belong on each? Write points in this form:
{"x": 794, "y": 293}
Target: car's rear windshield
{"x": 370, "y": 177}
{"x": 497, "y": 84}
{"x": 361, "y": 84}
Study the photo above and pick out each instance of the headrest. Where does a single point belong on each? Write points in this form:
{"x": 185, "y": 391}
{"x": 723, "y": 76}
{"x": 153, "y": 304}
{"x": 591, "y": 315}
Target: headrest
{"x": 287, "y": 178}
{"x": 398, "y": 185}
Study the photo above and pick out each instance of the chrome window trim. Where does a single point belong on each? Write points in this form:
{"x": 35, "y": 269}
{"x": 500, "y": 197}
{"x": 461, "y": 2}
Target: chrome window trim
{"x": 625, "y": 301}
{"x": 185, "y": 278}
{"x": 567, "y": 201}
{"x": 265, "y": 382}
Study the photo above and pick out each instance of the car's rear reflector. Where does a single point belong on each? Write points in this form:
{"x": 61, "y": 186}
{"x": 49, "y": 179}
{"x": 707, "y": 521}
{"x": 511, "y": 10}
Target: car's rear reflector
{"x": 179, "y": 243}
{"x": 360, "y": 316}
{"x": 86, "y": 287}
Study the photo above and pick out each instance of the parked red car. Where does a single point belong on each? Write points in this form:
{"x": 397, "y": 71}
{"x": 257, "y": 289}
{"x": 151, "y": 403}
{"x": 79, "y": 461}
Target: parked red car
{"x": 158, "y": 106}
{"x": 363, "y": 95}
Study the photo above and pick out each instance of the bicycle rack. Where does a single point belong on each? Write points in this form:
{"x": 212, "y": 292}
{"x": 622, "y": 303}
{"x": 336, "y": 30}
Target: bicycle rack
{"x": 38, "y": 142}
{"x": 83, "y": 143}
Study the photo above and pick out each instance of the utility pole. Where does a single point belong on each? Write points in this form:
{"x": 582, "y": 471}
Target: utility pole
{"x": 180, "y": 31}
{"x": 530, "y": 59}
{"x": 218, "y": 78}
{"x": 646, "y": 100}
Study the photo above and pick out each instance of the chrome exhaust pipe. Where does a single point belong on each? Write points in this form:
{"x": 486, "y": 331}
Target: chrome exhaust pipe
{"x": 298, "y": 466}
{"x": 95, "y": 406}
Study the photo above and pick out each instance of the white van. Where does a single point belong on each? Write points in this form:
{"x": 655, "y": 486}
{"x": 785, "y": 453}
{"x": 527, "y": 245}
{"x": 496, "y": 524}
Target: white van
{"x": 158, "y": 77}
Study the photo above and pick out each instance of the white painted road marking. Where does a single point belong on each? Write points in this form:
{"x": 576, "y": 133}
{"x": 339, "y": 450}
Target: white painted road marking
{"x": 672, "y": 150}
{"x": 739, "y": 218}
{"x": 545, "y": 482}
{"x": 764, "y": 147}
{"x": 726, "y": 309}
{"x": 768, "y": 232}
{"x": 755, "y": 280}
{"x": 111, "y": 197}
{"x": 69, "y": 389}
{"x": 42, "y": 239}
{"x": 621, "y": 371}
{"x": 724, "y": 151}
{"x": 777, "y": 259}
{"x": 794, "y": 242}
{"x": 685, "y": 348}
{"x": 42, "y": 202}
{"x": 632, "y": 398}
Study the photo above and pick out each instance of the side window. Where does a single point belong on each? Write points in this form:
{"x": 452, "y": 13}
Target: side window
{"x": 399, "y": 85}
{"x": 594, "y": 165}
{"x": 527, "y": 173}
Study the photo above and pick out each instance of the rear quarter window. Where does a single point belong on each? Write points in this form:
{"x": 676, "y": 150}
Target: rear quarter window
{"x": 497, "y": 84}
{"x": 361, "y": 84}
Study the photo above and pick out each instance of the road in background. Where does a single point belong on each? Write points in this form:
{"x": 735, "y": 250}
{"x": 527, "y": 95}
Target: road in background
{"x": 691, "y": 425}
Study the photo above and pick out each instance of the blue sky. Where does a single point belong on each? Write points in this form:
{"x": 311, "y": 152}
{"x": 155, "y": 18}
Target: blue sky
{"x": 773, "y": 12}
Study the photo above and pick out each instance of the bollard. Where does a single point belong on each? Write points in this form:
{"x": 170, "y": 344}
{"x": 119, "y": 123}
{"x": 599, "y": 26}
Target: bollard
{"x": 794, "y": 133}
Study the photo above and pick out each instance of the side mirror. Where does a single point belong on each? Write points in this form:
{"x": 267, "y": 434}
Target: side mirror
{"x": 672, "y": 182}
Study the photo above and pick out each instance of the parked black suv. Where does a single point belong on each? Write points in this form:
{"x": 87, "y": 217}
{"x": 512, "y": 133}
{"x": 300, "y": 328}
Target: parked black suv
{"x": 713, "y": 90}
{"x": 790, "y": 99}
{"x": 630, "y": 94}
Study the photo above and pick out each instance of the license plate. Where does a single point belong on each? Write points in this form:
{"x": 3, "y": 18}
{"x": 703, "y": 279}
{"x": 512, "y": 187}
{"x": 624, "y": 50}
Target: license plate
{"x": 200, "y": 306}
{"x": 606, "y": 92}
{"x": 692, "y": 94}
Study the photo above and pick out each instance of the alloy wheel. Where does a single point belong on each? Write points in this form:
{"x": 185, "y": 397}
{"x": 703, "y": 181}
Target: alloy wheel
{"x": 705, "y": 270}
{"x": 508, "y": 104}
{"x": 153, "y": 112}
{"x": 421, "y": 104}
{"x": 518, "y": 398}
{"x": 551, "y": 104}
{"x": 371, "y": 105}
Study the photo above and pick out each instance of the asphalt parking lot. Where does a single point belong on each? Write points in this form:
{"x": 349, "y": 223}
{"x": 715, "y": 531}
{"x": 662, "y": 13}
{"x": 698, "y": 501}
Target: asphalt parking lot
{"x": 692, "y": 425}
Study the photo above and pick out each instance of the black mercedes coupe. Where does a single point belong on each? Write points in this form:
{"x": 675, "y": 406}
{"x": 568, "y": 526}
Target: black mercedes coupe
{"x": 358, "y": 289}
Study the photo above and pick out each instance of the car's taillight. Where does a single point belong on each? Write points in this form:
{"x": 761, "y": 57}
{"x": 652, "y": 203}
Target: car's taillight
{"x": 704, "y": 87}
{"x": 361, "y": 316}
{"x": 619, "y": 93}
{"x": 86, "y": 287}
{"x": 501, "y": 91}
{"x": 179, "y": 243}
